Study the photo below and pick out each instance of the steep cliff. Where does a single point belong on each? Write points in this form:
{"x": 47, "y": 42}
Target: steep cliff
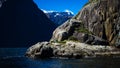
{"x": 94, "y": 31}
{"x": 22, "y": 23}
{"x": 99, "y": 18}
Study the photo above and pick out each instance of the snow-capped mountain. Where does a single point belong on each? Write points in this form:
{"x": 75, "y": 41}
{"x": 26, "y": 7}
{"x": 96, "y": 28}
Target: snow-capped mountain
{"x": 59, "y": 17}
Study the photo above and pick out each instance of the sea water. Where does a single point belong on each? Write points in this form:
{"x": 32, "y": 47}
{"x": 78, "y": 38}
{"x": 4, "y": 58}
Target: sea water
{"x": 14, "y": 58}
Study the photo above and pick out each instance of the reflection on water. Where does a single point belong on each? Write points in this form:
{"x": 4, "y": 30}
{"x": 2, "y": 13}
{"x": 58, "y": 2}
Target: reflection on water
{"x": 16, "y": 59}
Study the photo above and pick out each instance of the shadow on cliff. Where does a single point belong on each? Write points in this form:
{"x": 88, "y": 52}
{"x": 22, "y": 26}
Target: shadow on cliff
{"x": 23, "y": 24}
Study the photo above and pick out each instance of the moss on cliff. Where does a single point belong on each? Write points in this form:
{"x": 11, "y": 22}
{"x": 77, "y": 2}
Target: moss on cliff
{"x": 72, "y": 38}
{"x": 82, "y": 29}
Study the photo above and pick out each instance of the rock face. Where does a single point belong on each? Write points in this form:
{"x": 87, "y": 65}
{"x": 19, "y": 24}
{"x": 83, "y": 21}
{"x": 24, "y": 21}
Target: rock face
{"x": 89, "y": 39}
{"x": 100, "y": 18}
{"x": 94, "y": 31}
{"x": 65, "y": 30}
{"x": 23, "y": 24}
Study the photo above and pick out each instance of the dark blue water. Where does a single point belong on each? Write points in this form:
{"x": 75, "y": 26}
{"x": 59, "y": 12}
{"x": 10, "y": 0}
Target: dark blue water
{"x": 14, "y": 58}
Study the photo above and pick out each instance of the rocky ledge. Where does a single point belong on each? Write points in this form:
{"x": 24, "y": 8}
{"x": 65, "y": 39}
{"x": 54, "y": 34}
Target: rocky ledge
{"x": 70, "y": 49}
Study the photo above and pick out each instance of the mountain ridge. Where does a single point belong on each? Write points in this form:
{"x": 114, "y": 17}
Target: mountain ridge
{"x": 58, "y": 17}
{"x": 23, "y": 24}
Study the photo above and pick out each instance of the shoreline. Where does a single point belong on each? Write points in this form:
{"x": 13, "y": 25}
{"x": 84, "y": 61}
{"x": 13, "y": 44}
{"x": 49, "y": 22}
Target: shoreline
{"x": 70, "y": 50}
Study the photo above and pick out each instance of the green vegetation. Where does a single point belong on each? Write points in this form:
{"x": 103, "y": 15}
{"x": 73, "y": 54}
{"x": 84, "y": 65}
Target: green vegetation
{"x": 53, "y": 41}
{"x": 72, "y": 38}
{"x": 82, "y": 29}
{"x": 56, "y": 41}
{"x": 62, "y": 42}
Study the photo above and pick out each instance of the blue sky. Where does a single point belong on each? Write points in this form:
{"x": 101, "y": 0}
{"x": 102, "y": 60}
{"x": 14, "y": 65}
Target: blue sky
{"x": 61, "y": 5}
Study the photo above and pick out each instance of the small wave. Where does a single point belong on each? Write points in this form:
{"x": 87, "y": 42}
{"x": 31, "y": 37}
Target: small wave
{"x": 9, "y": 57}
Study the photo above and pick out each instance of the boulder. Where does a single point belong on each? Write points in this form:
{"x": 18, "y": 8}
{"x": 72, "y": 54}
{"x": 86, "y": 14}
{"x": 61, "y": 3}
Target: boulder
{"x": 65, "y": 30}
{"x": 89, "y": 39}
{"x": 40, "y": 50}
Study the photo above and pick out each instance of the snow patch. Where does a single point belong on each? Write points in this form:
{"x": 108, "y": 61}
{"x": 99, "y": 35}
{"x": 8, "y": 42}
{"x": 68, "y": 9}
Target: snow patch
{"x": 51, "y": 11}
{"x": 57, "y": 15}
{"x": 69, "y": 11}
{"x": 46, "y": 11}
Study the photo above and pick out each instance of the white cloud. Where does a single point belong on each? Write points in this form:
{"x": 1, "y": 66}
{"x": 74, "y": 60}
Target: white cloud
{"x": 69, "y": 11}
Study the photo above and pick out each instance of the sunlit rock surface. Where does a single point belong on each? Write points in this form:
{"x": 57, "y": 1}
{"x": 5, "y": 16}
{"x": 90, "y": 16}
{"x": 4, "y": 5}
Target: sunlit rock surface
{"x": 93, "y": 32}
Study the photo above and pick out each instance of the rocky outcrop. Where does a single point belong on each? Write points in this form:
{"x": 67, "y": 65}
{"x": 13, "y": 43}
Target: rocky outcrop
{"x": 100, "y": 18}
{"x": 40, "y": 50}
{"x": 89, "y": 39}
{"x": 65, "y": 30}
{"x": 70, "y": 49}
{"x": 94, "y": 31}
{"x": 70, "y": 29}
